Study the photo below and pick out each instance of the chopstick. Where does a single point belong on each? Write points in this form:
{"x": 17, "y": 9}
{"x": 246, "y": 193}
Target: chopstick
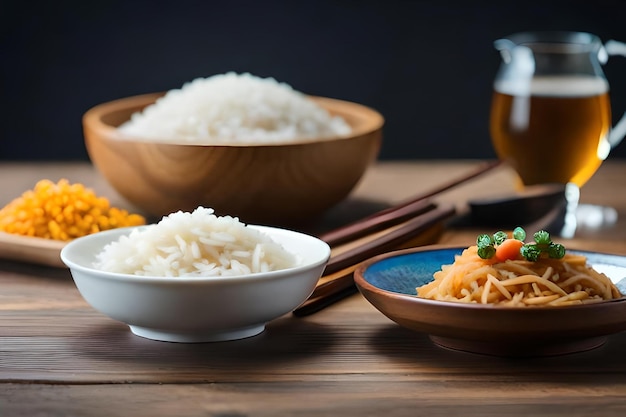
{"x": 337, "y": 281}
{"x": 333, "y": 287}
{"x": 376, "y": 222}
{"x": 412, "y": 207}
{"x": 314, "y": 305}
{"x": 389, "y": 239}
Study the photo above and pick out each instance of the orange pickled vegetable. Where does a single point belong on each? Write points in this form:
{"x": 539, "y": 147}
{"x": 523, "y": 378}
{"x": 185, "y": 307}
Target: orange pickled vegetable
{"x": 62, "y": 211}
{"x": 509, "y": 249}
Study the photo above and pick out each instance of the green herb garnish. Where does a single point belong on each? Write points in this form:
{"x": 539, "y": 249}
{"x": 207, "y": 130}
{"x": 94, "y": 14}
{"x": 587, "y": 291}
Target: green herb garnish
{"x": 542, "y": 247}
{"x": 519, "y": 233}
{"x": 499, "y": 237}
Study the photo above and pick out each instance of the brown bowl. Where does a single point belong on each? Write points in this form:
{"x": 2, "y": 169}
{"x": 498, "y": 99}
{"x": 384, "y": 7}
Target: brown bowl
{"x": 389, "y": 283}
{"x": 277, "y": 184}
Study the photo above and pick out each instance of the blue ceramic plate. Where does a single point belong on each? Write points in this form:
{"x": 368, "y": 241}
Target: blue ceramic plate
{"x": 389, "y": 283}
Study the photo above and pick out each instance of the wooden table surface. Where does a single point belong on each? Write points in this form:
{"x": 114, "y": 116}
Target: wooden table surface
{"x": 59, "y": 357}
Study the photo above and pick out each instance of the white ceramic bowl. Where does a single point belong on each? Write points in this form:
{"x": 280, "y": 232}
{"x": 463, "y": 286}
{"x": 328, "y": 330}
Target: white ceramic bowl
{"x": 197, "y": 309}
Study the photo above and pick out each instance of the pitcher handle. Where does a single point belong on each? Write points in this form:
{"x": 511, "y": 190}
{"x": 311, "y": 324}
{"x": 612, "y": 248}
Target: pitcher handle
{"x": 613, "y": 47}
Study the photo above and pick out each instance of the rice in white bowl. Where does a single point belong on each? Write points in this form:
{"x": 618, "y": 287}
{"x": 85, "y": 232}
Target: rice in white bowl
{"x": 234, "y": 108}
{"x": 194, "y": 244}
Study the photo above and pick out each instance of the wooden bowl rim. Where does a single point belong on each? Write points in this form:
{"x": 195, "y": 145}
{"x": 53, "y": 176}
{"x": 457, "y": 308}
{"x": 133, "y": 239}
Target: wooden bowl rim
{"x": 93, "y": 119}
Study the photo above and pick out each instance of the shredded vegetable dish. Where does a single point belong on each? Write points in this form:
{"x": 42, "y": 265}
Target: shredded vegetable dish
{"x": 502, "y": 269}
{"x": 62, "y": 211}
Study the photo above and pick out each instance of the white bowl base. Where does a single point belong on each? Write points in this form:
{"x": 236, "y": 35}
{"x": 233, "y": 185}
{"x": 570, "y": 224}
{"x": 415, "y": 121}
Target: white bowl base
{"x": 197, "y": 337}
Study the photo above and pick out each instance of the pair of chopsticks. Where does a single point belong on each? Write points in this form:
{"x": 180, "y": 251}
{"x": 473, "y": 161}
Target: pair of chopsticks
{"x": 414, "y": 222}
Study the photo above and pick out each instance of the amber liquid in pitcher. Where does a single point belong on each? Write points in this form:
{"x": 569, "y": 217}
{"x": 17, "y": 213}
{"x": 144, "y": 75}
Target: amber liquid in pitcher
{"x": 552, "y": 130}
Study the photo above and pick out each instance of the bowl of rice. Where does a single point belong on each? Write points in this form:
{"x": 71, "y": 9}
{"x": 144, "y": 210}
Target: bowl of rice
{"x": 195, "y": 276}
{"x": 246, "y": 146}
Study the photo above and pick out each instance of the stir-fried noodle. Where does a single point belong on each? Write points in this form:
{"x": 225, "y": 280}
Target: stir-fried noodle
{"x": 546, "y": 282}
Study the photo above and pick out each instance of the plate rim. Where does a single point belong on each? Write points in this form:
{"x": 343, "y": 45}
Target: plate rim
{"x": 360, "y": 280}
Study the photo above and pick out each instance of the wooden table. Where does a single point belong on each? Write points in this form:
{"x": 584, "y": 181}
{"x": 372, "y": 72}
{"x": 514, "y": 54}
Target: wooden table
{"x": 58, "y": 357}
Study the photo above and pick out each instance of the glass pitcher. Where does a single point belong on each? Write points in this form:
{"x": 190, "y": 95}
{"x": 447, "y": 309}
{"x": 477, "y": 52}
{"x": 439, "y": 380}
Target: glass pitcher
{"x": 551, "y": 114}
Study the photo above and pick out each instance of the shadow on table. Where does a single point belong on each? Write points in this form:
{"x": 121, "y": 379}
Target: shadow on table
{"x": 27, "y": 269}
{"x": 416, "y": 351}
{"x": 284, "y": 341}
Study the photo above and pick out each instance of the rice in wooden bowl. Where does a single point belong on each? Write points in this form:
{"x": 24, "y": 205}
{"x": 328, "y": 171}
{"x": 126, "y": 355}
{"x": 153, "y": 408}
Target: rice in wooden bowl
{"x": 266, "y": 153}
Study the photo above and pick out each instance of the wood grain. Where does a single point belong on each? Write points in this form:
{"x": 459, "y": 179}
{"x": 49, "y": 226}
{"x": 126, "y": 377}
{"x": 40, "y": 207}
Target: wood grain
{"x": 67, "y": 342}
{"x": 301, "y": 398}
{"x": 58, "y": 357}
{"x": 31, "y": 249}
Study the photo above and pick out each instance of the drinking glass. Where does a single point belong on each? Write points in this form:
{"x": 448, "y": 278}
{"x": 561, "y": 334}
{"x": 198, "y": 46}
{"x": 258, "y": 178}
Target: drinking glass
{"x": 551, "y": 112}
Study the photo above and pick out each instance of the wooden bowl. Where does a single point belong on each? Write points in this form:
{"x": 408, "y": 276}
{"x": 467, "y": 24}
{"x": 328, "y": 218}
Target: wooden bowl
{"x": 276, "y": 184}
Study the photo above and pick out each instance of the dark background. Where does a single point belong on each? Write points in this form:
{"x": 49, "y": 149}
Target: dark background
{"x": 426, "y": 65}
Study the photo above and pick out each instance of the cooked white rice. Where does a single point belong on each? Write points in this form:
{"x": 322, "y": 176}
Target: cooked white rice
{"x": 232, "y": 108}
{"x": 196, "y": 244}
